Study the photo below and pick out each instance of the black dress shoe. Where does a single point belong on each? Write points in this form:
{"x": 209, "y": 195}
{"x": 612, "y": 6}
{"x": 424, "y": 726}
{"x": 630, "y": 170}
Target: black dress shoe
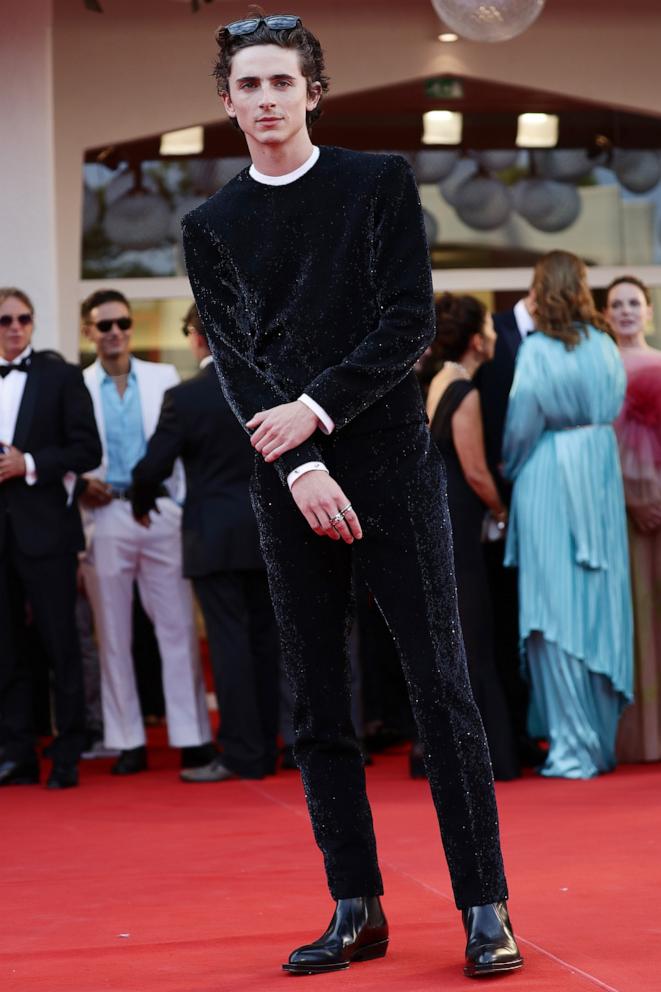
{"x": 491, "y": 947}
{"x": 288, "y": 761}
{"x": 130, "y": 762}
{"x": 357, "y": 932}
{"x": 198, "y": 755}
{"x": 215, "y": 771}
{"x": 62, "y": 777}
{"x": 19, "y": 773}
{"x": 381, "y": 738}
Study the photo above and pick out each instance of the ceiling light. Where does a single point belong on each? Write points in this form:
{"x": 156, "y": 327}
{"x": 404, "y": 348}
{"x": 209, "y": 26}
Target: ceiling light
{"x": 187, "y": 141}
{"x": 448, "y": 36}
{"x": 537, "y": 131}
{"x": 441, "y": 127}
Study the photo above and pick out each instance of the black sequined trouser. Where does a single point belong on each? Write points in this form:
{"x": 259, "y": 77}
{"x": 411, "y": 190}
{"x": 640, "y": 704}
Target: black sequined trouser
{"x": 396, "y": 482}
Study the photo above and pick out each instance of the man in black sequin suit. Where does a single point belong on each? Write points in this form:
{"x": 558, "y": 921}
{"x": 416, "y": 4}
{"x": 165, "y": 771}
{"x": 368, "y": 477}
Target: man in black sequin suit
{"x": 311, "y": 274}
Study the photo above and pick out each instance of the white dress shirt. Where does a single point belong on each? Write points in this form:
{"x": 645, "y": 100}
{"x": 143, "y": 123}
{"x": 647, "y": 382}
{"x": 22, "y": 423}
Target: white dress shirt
{"x": 326, "y": 423}
{"x": 11, "y": 395}
{"x": 524, "y": 321}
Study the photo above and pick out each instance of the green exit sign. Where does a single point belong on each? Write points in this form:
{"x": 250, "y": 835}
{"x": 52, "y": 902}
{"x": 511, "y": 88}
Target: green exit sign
{"x": 444, "y": 88}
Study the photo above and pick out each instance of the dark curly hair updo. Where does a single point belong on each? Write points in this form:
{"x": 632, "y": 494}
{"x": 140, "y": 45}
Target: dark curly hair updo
{"x": 300, "y": 39}
{"x": 458, "y": 319}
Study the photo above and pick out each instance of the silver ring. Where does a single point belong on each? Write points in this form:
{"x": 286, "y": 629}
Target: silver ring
{"x": 346, "y": 509}
{"x": 336, "y": 519}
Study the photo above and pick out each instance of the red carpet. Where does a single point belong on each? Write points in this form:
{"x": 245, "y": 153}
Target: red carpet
{"x": 149, "y": 884}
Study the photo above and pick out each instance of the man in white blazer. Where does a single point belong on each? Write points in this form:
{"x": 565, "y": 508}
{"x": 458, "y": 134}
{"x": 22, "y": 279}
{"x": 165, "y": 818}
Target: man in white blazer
{"x": 127, "y": 394}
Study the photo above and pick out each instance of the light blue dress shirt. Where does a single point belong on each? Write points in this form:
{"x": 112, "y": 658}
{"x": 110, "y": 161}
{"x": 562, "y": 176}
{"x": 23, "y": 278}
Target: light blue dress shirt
{"x": 125, "y": 434}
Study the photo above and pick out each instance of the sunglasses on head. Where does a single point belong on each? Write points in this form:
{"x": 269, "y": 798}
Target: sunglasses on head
{"x": 277, "y": 22}
{"x": 123, "y": 323}
{"x": 24, "y": 319}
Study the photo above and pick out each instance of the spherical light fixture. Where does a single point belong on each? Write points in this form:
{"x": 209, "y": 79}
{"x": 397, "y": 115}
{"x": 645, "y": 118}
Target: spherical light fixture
{"x": 566, "y": 164}
{"x": 138, "y": 220}
{"x": 496, "y": 160}
{"x": 547, "y": 205}
{"x": 638, "y": 171}
{"x": 491, "y": 20}
{"x": 434, "y": 165}
{"x": 483, "y": 203}
{"x": 432, "y": 227}
{"x": 182, "y": 207}
{"x": 449, "y": 188}
{"x": 91, "y": 208}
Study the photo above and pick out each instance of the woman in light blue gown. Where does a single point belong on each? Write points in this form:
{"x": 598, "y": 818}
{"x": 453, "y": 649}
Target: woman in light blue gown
{"x": 567, "y": 533}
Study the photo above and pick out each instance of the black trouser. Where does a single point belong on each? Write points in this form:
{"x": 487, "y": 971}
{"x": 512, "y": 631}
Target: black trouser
{"x": 396, "y": 483}
{"x": 48, "y": 584}
{"x": 244, "y": 650}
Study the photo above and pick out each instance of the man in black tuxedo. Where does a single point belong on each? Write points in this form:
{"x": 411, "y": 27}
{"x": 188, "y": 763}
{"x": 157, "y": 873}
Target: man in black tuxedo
{"x": 222, "y": 558}
{"x": 48, "y": 434}
{"x": 494, "y": 381}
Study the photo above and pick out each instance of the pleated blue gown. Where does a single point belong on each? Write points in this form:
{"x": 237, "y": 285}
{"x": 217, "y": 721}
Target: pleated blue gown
{"x": 567, "y": 536}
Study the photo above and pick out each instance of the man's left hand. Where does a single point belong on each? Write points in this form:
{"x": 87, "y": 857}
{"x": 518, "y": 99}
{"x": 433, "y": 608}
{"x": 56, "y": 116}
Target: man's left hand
{"x": 281, "y": 428}
{"x": 12, "y": 464}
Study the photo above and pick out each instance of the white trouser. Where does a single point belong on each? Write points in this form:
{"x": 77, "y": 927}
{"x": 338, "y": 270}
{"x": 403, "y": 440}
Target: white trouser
{"x": 120, "y": 552}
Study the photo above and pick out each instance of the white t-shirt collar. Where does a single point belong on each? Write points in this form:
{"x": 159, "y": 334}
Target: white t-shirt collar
{"x": 289, "y": 177}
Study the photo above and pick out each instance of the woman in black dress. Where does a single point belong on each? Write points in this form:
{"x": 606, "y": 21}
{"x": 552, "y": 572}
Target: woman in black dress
{"x": 466, "y": 339}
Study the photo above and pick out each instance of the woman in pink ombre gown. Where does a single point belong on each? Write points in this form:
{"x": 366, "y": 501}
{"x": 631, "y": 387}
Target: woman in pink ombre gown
{"x": 638, "y": 431}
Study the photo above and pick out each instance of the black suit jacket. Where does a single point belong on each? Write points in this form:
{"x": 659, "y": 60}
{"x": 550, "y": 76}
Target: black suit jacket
{"x": 56, "y": 425}
{"x": 494, "y": 381}
{"x": 219, "y": 531}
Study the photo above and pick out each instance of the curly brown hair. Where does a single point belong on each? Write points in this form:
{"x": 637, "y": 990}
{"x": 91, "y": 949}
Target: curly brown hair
{"x": 564, "y": 307}
{"x": 301, "y": 39}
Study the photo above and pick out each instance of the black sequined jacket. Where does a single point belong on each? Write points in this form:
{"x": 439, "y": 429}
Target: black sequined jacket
{"x": 321, "y": 286}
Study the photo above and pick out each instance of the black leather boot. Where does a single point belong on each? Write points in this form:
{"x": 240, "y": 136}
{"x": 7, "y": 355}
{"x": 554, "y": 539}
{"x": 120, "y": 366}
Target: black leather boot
{"x": 490, "y": 944}
{"x": 130, "y": 762}
{"x": 357, "y": 932}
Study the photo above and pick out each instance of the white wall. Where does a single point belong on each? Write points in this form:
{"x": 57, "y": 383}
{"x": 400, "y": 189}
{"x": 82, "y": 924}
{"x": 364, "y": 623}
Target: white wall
{"x": 27, "y": 198}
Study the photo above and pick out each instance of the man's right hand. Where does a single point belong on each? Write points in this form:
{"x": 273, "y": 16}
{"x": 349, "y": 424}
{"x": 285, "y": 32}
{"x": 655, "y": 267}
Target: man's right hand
{"x": 95, "y": 494}
{"x": 319, "y": 498}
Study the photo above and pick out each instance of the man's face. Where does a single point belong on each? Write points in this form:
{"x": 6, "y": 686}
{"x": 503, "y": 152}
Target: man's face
{"x": 15, "y": 329}
{"x": 197, "y": 344}
{"x": 268, "y": 94}
{"x": 114, "y": 343}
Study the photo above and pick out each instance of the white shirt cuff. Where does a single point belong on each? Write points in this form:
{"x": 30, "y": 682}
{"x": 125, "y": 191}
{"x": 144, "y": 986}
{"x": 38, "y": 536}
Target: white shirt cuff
{"x": 30, "y": 469}
{"x": 302, "y": 469}
{"x": 326, "y": 423}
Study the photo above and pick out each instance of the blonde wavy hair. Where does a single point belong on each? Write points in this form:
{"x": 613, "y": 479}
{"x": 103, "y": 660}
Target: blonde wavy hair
{"x": 7, "y": 292}
{"x": 564, "y": 306}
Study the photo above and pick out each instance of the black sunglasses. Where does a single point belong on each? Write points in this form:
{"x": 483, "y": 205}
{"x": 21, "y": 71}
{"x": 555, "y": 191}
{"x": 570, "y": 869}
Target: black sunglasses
{"x": 24, "y": 319}
{"x": 277, "y": 22}
{"x": 123, "y": 323}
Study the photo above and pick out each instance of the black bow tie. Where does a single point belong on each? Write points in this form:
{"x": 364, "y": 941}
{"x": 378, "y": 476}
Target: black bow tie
{"x": 23, "y": 366}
